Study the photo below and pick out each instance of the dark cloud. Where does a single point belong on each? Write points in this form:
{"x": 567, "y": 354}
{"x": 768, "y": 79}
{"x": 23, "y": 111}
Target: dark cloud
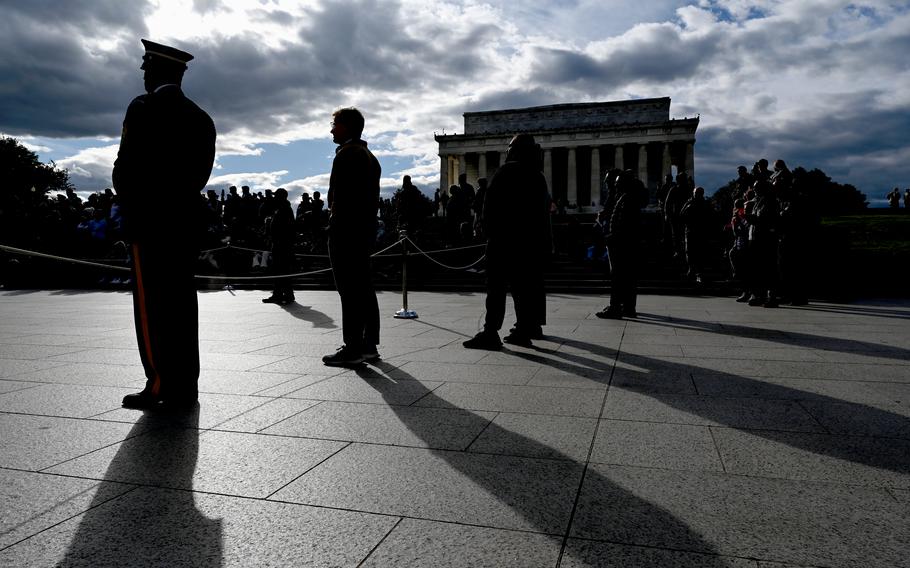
{"x": 51, "y": 84}
{"x": 362, "y": 45}
{"x": 513, "y": 99}
{"x": 861, "y": 146}
{"x": 656, "y": 53}
{"x": 82, "y": 16}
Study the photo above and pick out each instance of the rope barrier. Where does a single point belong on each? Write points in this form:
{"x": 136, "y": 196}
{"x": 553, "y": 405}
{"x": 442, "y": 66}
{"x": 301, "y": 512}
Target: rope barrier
{"x": 472, "y": 265}
{"x": 200, "y": 276}
{"x": 62, "y": 258}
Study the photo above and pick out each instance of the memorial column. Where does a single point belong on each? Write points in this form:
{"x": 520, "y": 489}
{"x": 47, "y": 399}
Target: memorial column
{"x": 617, "y": 158}
{"x": 595, "y": 175}
{"x": 444, "y": 173}
{"x": 482, "y": 165}
{"x": 643, "y": 164}
{"x": 572, "y": 178}
{"x": 690, "y": 161}
{"x": 548, "y": 168}
{"x": 666, "y": 167}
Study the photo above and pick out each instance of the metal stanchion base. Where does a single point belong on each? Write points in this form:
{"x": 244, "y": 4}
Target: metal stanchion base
{"x": 405, "y": 314}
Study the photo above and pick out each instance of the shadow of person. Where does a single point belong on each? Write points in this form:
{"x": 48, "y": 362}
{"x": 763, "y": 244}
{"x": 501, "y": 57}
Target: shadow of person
{"x": 307, "y": 313}
{"x": 865, "y": 435}
{"x": 786, "y": 338}
{"x": 552, "y": 502}
{"x": 150, "y": 525}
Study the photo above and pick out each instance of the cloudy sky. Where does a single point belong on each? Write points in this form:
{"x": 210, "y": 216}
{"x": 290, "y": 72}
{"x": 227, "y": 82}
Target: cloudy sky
{"x": 819, "y": 83}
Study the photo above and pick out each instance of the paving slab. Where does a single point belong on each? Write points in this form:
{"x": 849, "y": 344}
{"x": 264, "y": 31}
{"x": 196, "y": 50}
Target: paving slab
{"x": 213, "y": 409}
{"x": 748, "y": 517}
{"x": 537, "y": 436}
{"x": 230, "y": 463}
{"x": 37, "y": 442}
{"x": 725, "y": 436}
{"x": 494, "y": 491}
{"x": 12, "y": 386}
{"x": 648, "y": 444}
{"x": 446, "y": 545}
{"x": 442, "y": 428}
{"x": 709, "y": 411}
{"x": 525, "y": 399}
{"x": 586, "y": 553}
{"x": 33, "y": 502}
{"x": 270, "y": 412}
{"x": 821, "y": 457}
{"x": 202, "y": 530}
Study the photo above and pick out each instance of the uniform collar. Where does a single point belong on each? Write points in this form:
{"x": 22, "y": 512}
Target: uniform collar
{"x": 159, "y": 87}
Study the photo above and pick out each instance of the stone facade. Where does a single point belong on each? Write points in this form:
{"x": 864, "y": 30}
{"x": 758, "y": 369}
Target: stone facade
{"x": 580, "y": 143}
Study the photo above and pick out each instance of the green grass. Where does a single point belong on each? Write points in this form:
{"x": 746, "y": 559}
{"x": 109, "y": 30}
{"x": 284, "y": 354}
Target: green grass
{"x": 875, "y": 233}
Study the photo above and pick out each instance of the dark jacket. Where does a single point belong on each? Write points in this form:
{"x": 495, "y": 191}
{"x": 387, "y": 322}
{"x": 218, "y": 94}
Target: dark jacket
{"x": 167, "y": 149}
{"x": 516, "y": 212}
{"x": 353, "y": 196}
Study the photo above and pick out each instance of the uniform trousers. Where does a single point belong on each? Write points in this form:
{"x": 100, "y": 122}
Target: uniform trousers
{"x": 166, "y": 313}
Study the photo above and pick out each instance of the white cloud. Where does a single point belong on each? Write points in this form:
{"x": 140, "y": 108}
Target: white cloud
{"x": 272, "y": 72}
{"x": 256, "y": 180}
{"x": 90, "y": 169}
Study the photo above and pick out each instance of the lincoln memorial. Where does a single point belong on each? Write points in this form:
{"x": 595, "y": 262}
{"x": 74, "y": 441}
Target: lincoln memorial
{"x": 580, "y": 143}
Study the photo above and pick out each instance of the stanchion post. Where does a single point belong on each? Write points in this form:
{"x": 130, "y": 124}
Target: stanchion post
{"x": 404, "y": 312}
{"x": 229, "y": 287}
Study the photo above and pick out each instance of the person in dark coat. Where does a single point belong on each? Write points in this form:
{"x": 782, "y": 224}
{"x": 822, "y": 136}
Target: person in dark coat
{"x": 516, "y": 223}
{"x": 281, "y": 234}
{"x": 166, "y": 154}
{"x": 353, "y": 201}
{"x": 697, "y": 217}
{"x": 764, "y": 225}
{"x": 623, "y": 243}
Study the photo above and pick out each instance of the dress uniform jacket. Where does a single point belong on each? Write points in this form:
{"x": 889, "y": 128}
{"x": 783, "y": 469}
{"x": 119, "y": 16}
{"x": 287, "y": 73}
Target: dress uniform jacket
{"x": 166, "y": 154}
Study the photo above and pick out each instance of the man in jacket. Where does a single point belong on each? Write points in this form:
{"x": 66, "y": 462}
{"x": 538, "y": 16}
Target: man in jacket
{"x": 516, "y": 222}
{"x": 167, "y": 149}
{"x": 353, "y": 201}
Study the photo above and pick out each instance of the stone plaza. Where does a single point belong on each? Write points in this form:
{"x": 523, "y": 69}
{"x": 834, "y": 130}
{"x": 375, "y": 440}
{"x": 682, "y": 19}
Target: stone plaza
{"x": 702, "y": 434}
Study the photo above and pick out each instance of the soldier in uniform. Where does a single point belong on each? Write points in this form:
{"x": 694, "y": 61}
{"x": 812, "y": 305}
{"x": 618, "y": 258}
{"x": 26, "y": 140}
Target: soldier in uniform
{"x": 166, "y": 154}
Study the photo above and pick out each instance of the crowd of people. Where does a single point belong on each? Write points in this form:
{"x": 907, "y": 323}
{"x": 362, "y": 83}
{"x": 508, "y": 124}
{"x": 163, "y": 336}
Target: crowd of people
{"x": 894, "y": 198}
{"x": 770, "y": 231}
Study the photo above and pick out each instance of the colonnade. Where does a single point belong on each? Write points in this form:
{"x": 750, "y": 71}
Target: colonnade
{"x": 602, "y": 157}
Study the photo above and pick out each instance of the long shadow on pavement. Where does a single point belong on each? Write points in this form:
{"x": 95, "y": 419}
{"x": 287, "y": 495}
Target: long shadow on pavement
{"x": 854, "y": 424}
{"x": 150, "y": 526}
{"x": 786, "y": 338}
{"x": 609, "y": 509}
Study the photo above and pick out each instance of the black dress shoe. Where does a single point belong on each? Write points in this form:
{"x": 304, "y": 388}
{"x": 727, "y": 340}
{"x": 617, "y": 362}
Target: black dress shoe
{"x": 518, "y": 338}
{"x": 487, "y": 340}
{"x": 535, "y": 332}
{"x": 344, "y": 357}
{"x": 142, "y": 400}
{"x": 609, "y": 313}
{"x": 272, "y": 300}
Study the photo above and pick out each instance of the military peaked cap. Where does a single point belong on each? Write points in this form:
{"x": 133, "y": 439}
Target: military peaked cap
{"x": 167, "y": 54}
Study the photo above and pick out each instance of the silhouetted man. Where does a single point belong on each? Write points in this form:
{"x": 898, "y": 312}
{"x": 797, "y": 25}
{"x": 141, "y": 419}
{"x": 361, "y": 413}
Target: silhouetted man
{"x": 280, "y": 231}
{"x": 166, "y": 154}
{"x": 353, "y": 200}
{"x": 516, "y": 222}
{"x": 623, "y": 247}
